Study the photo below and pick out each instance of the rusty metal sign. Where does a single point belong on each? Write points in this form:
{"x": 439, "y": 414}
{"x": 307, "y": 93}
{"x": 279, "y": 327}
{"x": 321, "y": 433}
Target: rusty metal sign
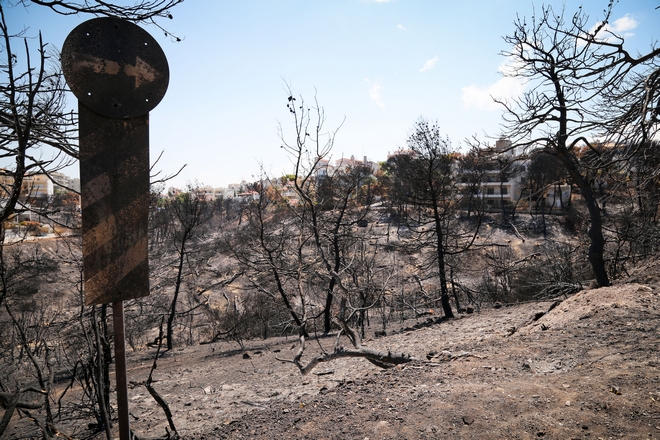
{"x": 115, "y": 68}
{"x": 119, "y": 73}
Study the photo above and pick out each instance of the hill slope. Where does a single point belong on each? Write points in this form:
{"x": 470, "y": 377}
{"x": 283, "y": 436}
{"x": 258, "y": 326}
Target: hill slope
{"x": 588, "y": 368}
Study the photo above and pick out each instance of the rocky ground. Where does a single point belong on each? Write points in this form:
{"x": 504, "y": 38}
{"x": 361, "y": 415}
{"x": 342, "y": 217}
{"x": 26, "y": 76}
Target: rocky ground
{"x": 587, "y": 367}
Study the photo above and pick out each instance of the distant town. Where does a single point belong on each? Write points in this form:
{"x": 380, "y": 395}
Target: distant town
{"x": 501, "y": 180}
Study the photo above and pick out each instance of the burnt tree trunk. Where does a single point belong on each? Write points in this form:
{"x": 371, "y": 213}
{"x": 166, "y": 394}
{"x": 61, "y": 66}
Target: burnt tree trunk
{"x": 595, "y": 233}
{"x": 442, "y": 272}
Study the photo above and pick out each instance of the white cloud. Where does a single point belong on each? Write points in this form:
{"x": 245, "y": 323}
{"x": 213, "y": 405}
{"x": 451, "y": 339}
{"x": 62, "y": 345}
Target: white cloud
{"x": 374, "y": 92}
{"x": 624, "y": 24}
{"x": 481, "y": 98}
{"x": 430, "y": 64}
{"x": 620, "y": 27}
{"x": 402, "y": 27}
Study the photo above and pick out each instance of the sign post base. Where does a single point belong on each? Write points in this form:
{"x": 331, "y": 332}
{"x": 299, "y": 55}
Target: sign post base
{"x": 120, "y": 370}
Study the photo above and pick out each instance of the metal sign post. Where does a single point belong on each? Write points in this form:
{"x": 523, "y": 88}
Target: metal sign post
{"x": 120, "y": 366}
{"x": 119, "y": 73}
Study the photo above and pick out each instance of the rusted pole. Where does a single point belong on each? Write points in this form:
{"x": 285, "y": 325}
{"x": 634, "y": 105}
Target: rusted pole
{"x": 120, "y": 370}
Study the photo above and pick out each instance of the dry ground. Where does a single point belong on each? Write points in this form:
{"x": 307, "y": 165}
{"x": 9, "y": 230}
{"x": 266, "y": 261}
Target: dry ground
{"x": 588, "y": 368}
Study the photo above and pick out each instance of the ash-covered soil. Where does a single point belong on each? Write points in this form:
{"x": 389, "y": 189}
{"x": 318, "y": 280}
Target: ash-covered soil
{"x": 588, "y": 368}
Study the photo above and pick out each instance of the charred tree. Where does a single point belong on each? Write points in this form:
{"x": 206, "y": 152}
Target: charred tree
{"x": 581, "y": 84}
{"x": 424, "y": 182}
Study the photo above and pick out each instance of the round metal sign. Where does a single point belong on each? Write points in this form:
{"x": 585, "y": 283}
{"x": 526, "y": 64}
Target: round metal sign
{"x": 115, "y": 68}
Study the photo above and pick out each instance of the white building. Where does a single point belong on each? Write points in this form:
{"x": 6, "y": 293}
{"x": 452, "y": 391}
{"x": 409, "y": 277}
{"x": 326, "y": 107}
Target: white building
{"x": 558, "y": 196}
{"x": 343, "y": 164}
{"x": 64, "y": 183}
{"x": 37, "y": 185}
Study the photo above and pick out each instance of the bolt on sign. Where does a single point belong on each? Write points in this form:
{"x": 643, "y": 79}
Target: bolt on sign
{"x": 119, "y": 73}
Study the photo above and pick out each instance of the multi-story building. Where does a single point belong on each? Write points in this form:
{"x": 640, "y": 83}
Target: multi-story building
{"x": 36, "y": 191}
{"x": 232, "y": 190}
{"x": 343, "y": 164}
{"x": 209, "y": 193}
{"x": 37, "y": 186}
{"x": 288, "y": 192}
{"x": 40, "y": 185}
{"x": 401, "y": 152}
{"x": 33, "y": 186}
{"x": 213, "y": 193}
{"x": 326, "y": 169}
{"x": 500, "y": 174}
{"x": 64, "y": 183}
{"x": 502, "y": 184}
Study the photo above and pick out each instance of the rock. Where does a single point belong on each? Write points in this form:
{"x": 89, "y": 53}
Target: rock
{"x": 469, "y": 310}
{"x": 382, "y": 428}
{"x": 468, "y": 420}
{"x": 497, "y": 305}
{"x": 246, "y": 356}
{"x": 443, "y": 356}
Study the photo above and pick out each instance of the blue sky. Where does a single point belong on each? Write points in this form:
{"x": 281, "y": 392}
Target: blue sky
{"x": 376, "y": 65}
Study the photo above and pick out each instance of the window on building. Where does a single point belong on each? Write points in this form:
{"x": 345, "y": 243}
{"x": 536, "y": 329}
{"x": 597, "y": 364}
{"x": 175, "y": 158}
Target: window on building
{"x": 505, "y": 190}
{"x": 490, "y": 191}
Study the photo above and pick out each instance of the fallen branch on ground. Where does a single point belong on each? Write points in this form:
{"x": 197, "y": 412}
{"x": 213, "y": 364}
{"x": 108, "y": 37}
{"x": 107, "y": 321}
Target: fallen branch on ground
{"x": 379, "y": 358}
